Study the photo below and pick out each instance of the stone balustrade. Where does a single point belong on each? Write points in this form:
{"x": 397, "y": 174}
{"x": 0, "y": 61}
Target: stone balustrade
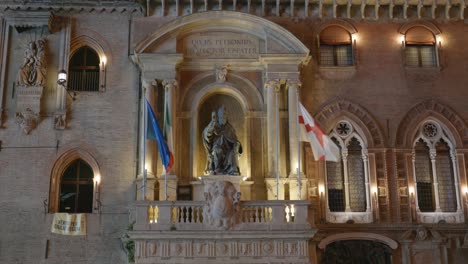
{"x": 254, "y": 215}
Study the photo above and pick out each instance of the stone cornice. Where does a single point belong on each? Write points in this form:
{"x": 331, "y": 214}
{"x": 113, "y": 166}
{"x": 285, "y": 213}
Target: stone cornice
{"x": 73, "y": 6}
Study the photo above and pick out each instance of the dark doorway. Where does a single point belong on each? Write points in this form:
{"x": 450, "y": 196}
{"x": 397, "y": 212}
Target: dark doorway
{"x": 357, "y": 252}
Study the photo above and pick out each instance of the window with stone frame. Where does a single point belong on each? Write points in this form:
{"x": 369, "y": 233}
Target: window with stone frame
{"x": 420, "y": 48}
{"x": 335, "y": 47}
{"x": 76, "y": 188}
{"x": 434, "y": 161}
{"x": 346, "y": 179}
{"x": 84, "y": 70}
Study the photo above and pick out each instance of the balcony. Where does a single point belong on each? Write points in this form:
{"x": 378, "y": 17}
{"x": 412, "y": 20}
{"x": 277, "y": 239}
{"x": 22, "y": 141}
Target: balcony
{"x": 265, "y": 231}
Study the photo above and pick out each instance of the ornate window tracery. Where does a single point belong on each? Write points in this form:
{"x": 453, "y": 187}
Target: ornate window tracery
{"x": 348, "y": 180}
{"x": 434, "y": 166}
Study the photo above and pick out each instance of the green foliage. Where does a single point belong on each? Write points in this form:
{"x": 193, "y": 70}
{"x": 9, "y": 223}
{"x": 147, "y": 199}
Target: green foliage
{"x": 128, "y": 244}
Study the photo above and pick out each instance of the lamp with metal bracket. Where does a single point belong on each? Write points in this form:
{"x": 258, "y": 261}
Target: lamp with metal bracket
{"x": 62, "y": 81}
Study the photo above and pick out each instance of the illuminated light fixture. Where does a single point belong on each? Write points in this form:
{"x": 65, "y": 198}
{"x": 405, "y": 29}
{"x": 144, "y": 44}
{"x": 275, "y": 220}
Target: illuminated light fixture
{"x": 244, "y": 178}
{"x": 97, "y": 179}
{"x": 104, "y": 60}
{"x": 411, "y": 190}
{"x": 62, "y": 81}
{"x": 401, "y": 39}
{"x": 321, "y": 189}
{"x": 439, "y": 39}
{"x": 62, "y": 77}
{"x": 354, "y": 37}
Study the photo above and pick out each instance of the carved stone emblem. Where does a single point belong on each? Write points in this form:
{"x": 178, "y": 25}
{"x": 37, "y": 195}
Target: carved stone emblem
{"x": 27, "y": 120}
{"x": 221, "y": 74}
{"x": 59, "y": 121}
{"x": 221, "y": 209}
{"x": 421, "y": 233}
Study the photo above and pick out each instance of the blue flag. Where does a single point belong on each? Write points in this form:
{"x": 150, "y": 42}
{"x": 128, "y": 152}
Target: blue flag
{"x": 153, "y": 132}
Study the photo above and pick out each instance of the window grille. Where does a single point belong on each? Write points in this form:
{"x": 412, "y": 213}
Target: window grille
{"x": 76, "y": 188}
{"x": 357, "y": 192}
{"x": 335, "y": 184}
{"x": 444, "y": 169}
{"x": 424, "y": 182}
{"x": 420, "y": 55}
{"x": 84, "y": 71}
{"x": 336, "y": 55}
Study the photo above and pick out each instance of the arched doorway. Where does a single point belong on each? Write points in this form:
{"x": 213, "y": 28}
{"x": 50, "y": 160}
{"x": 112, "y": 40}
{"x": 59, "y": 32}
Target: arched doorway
{"x": 357, "y": 252}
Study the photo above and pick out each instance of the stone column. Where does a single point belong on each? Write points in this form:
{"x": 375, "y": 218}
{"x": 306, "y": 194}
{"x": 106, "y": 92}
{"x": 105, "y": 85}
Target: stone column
{"x": 433, "y": 155}
{"x": 145, "y": 159}
{"x": 272, "y": 90}
{"x": 456, "y": 175}
{"x": 295, "y": 145}
{"x": 275, "y": 188}
{"x": 168, "y": 181}
{"x": 344, "y": 154}
{"x": 365, "y": 158}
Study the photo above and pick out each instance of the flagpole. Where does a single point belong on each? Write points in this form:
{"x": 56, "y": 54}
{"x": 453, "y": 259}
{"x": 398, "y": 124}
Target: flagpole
{"x": 299, "y": 183}
{"x": 166, "y": 105}
{"x": 277, "y": 145}
{"x": 145, "y": 128}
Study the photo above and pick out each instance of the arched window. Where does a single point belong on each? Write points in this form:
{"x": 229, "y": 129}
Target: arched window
{"x": 77, "y": 188}
{"x": 84, "y": 70}
{"x": 348, "y": 180}
{"x": 420, "y": 48}
{"x": 434, "y": 163}
{"x": 335, "y": 47}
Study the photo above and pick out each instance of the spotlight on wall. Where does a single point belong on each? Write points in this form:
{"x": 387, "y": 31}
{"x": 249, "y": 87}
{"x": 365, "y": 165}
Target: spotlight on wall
{"x": 62, "y": 81}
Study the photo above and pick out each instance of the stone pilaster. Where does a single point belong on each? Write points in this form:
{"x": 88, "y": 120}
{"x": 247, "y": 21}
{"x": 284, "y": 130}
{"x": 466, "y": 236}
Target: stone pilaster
{"x": 272, "y": 90}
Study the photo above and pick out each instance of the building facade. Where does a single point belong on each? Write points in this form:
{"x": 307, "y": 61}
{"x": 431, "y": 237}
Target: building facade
{"x": 383, "y": 79}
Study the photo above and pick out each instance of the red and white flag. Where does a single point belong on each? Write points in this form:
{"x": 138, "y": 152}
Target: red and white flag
{"x": 322, "y": 146}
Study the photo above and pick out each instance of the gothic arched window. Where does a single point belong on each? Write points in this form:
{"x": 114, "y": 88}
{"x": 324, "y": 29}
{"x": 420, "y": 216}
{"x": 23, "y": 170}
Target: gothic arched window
{"x": 84, "y": 70}
{"x": 434, "y": 166}
{"x": 348, "y": 179}
{"x": 77, "y": 188}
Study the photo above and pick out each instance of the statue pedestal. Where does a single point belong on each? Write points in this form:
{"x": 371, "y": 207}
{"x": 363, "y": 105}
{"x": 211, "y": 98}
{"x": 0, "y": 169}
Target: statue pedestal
{"x": 28, "y": 106}
{"x": 200, "y": 186}
{"x": 171, "y": 188}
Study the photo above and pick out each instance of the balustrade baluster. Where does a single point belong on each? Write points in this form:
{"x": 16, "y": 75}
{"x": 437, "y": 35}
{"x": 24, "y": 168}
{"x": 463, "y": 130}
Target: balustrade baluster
{"x": 262, "y": 214}
{"x": 256, "y": 214}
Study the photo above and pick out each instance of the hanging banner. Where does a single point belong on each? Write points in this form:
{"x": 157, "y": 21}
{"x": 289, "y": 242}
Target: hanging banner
{"x": 69, "y": 224}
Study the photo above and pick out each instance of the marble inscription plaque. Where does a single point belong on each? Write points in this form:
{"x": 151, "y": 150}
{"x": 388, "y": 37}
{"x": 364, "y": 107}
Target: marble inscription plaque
{"x": 220, "y": 45}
